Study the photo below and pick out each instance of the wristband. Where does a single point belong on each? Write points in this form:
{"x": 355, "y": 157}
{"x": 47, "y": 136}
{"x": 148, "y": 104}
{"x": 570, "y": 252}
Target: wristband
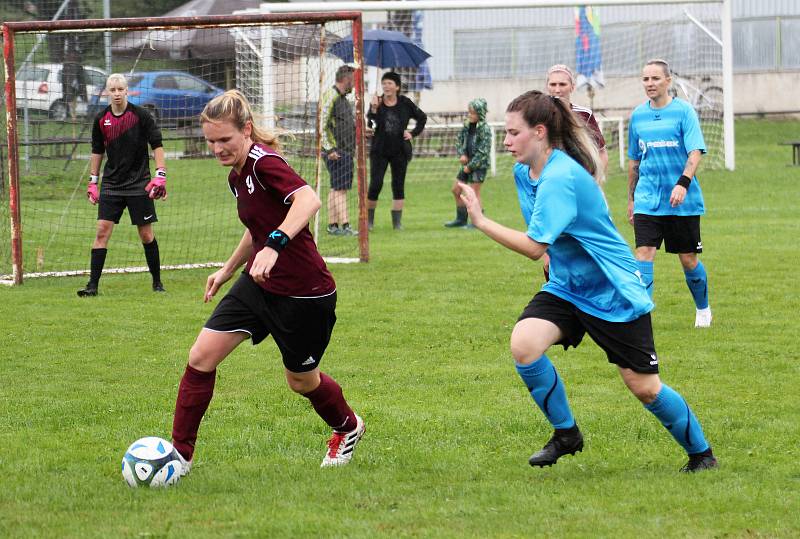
{"x": 93, "y": 178}
{"x": 277, "y": 240}
{"x": 161, "y": 173}
{"x": 684, "y": 181}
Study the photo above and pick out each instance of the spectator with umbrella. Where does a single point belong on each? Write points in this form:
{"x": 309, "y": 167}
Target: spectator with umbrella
{"x": 389, "y": 114}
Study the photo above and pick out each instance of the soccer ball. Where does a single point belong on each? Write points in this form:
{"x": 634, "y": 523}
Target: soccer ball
{"x": 151, "y": 461}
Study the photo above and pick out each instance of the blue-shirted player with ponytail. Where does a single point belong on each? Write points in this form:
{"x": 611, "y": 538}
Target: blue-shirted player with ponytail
{"x": 665, "y": 145}
{"x": 594, "y": 287}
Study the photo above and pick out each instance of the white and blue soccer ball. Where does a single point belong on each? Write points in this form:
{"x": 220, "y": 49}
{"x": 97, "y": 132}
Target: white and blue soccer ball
{"x": 151, "y": 461}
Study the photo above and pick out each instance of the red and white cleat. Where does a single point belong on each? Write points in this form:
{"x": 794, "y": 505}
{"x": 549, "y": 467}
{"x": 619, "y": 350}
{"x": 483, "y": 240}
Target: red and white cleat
{"x": 342, "y": 445}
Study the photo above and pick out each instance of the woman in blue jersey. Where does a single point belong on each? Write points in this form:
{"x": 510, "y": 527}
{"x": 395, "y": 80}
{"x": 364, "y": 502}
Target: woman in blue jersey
{"x": 665, "y": 145}
{"x": 594, "y": 284}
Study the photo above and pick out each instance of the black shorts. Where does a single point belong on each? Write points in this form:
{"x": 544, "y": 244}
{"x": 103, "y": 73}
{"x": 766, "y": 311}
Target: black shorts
{"x": 680, "y": 233}
{"x": 476, "y": 176}
{"x": 341, "y": 171}
{"x": 627, "y": 344}
{"x": 141, "y": 209}
{"x": 301, "y": 327}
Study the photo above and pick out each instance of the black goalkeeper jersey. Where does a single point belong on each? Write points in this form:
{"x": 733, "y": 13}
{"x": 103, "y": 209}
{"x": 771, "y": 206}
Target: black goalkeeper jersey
{"x": 124, "y": 140}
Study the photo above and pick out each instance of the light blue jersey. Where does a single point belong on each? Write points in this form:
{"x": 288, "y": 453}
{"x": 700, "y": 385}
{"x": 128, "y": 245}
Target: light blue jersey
{"x": 591, "y": 266}
{"x": 661, "y": 139}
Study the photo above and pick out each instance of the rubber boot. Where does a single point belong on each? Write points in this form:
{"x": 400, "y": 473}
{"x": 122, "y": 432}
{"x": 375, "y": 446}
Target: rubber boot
{"x": 460, "y": 220}
{"x": 396, "y": 217}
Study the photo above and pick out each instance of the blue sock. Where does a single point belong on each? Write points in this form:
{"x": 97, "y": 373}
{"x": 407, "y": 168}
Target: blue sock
{"x": 547, "y": 390}
{"x": 673, "y": 412}
{"x": 646, "y": 269}
{"x": 697, "y": 280}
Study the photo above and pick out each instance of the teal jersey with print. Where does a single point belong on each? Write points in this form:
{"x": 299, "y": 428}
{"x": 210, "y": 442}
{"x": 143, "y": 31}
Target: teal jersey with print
{"x": 661, "y": 139}
{"x": 591, "y": 266}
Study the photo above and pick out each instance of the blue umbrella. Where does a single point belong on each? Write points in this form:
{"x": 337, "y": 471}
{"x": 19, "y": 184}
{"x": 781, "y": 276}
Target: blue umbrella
{"x": 383, "y": 48}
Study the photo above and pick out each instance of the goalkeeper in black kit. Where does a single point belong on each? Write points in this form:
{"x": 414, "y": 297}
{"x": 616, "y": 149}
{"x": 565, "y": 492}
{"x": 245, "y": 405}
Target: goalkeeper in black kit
{"x": 123, "y": 131}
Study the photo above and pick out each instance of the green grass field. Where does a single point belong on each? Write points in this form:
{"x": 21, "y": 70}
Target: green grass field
{"x": 421, "y": 349}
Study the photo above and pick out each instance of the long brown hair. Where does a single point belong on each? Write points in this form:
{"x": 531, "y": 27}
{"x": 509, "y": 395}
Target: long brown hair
{"x": 563, "y": 129}
{"x": 233, "y": 106}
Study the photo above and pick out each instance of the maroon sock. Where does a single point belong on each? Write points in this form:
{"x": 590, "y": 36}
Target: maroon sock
{"x": 329, "y": 403}
{"x": 194, "y": 395}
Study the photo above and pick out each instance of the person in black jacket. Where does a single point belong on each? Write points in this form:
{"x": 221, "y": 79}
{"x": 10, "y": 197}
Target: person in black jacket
{"x": 389, "y": 116}
{"x": 73, "y": 83}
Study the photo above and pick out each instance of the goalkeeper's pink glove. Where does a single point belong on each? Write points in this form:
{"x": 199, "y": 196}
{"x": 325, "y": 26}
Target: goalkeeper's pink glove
{"x": 92, "y": 191}
{"x": 157, "y": 188}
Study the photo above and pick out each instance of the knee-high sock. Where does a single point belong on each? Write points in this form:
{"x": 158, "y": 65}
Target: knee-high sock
{"x": 676, "y": 416}
{"x": 97, "y": 261}
{"x": 646, "y": 269}
{"x": 194, "y": 395}
{"x": 697, "y": 281}
{"x": 153, "y": 258}
{"x": 328, "y": 401}
{"x": 547, "y": 390}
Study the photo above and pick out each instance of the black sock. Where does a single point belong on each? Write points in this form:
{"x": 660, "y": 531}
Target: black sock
{"x": 153, "y": 259}
{"x": 345, "y": 225}
{"x": 98, "y": 260}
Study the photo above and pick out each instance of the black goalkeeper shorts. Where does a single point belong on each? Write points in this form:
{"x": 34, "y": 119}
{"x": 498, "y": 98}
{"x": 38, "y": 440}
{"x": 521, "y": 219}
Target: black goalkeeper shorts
{"x": 141, "y": 209}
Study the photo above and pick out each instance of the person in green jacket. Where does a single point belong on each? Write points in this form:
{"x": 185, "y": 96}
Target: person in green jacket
{"x": 473, "y": 146}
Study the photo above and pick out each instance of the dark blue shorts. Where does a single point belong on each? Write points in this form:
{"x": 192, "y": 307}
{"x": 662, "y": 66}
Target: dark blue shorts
{"x": 341, "y": 171}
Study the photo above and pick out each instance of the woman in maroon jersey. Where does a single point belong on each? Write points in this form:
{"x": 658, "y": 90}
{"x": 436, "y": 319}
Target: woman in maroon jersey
{"x": 561, "y": 84}
{"x": 285, "y": 290}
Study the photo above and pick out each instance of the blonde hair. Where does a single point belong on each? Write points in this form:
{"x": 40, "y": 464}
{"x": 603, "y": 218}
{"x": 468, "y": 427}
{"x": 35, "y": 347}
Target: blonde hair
{"x": 117, "y": 76}
{"x": 564, "y": 69}
{"x": 233, "y": 107}
{"x": 563, "y": 129}
{"x": 659, "y": 62}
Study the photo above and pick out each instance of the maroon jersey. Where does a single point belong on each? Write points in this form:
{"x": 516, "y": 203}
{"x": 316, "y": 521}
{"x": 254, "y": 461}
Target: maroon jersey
{"x": 587, "y": 116}
{"x": 262, "y": 192}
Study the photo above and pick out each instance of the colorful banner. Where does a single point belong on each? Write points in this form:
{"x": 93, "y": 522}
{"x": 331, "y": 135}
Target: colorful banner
{"x": 588, "y": 53}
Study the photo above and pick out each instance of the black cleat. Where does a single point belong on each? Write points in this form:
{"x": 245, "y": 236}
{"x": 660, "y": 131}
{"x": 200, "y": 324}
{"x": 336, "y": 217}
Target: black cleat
{"x": 158, "y": 287}
{"x": 563, "y": 442}
{"x": 89, "y": 291}
{"x": 699, "y": 462}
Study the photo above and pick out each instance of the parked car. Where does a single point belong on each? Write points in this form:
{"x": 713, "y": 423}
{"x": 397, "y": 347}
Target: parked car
{"x": 171, "y": 96}
{"x": 39, "y": 88}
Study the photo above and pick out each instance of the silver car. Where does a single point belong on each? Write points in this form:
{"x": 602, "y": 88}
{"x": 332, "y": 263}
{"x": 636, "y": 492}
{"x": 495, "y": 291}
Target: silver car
{"x": 39, "y": 88}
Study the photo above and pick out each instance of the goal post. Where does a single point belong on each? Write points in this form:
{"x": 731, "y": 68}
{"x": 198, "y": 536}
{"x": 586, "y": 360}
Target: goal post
{"x": 174, "y": 66}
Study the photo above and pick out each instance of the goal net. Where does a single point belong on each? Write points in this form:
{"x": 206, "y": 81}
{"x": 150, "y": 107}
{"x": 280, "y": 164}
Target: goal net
{"x": 174, "y": 67}
{"x": 499, "y": 49}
